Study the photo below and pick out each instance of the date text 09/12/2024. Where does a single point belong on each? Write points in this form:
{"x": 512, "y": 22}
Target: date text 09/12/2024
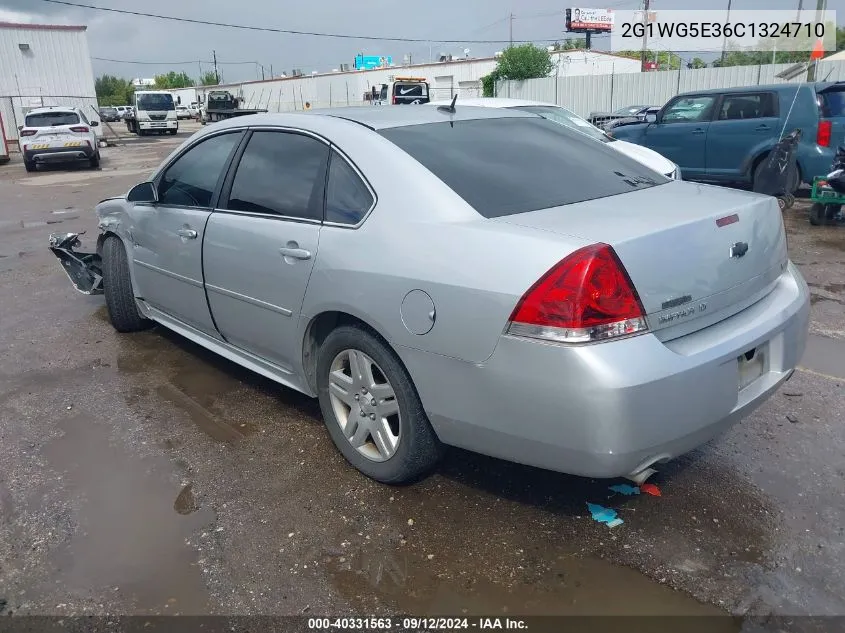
{"x": 416, "y": 624}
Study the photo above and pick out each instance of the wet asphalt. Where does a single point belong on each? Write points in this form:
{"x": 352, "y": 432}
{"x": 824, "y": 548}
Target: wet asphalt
{"x": 140, "y": 474}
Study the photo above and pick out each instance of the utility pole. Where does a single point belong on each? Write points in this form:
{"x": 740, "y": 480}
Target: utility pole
{"x": 510, "y": 38}
{"x": 725, "y": 39}
{"x": 644, "y": 54}
{"x": 271, "y": 71}
{"x": 216, "y": 74}
{"x": 821, "y": 5}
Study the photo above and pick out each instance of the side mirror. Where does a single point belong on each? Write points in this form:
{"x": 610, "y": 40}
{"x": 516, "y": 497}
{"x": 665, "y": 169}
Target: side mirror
{"x": 95, "y": 123}
{"x": 20, "y": 128}
{"x": 145, "y": 192}
{"x": 651, "y": 118}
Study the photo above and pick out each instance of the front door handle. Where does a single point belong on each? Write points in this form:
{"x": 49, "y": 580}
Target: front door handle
{"x": 188, "y": 234}
{"x": 762, "y": 128}
{"x": 295, "y": 253}
{"x": 698, "y": 130}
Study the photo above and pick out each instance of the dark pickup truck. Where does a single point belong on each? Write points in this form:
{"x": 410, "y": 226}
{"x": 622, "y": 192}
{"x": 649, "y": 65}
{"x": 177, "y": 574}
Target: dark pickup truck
{"x": 222, "y": 104}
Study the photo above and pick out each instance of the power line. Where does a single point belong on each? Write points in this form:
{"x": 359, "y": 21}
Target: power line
{"x": 194, "y": 61}
{"x": 285, "y": 31}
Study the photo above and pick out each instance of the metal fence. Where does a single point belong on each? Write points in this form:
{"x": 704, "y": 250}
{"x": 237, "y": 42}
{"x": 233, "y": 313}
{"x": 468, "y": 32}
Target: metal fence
{"x": 605, "y": 93}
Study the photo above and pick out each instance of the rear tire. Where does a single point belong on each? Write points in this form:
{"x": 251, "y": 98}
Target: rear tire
{"x": 117, "y": 286}
{"x": 417, "y": 448}
{"x": 817, "y": 214}
{"x": 95, "y": 161}
{"x": 29, "y": 165}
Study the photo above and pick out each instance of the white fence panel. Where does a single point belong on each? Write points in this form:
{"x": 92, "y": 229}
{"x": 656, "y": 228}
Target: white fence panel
{"x": 602, "y": 93}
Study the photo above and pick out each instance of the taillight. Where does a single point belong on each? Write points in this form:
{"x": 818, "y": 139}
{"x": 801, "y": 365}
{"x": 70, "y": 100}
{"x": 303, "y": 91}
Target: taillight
{"x": 587, "y": 297}
{"x": 823, "y": 134}
{"x": 79, "y": 128}
{"x": 27, "y": 132}
{"x": 393, "y": 99}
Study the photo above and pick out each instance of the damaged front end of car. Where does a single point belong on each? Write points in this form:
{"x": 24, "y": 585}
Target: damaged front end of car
{"x": 83, "y": 269}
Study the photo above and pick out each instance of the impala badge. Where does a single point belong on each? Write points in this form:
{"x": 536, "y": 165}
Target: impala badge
{"x": 739, "y": 249}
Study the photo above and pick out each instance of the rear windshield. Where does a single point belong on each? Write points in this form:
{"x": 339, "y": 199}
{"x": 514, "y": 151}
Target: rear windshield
{"x": 514, "y": 165}
{"x": 410, "y": 89}
{"x": 833, "y": 103}
{"x": 49, "y": 119}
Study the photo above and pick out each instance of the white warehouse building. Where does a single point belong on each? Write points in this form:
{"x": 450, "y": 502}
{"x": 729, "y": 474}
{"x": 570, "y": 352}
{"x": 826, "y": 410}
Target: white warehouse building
{"x": 459, "y": 76}
{"x": 43, "y": 65}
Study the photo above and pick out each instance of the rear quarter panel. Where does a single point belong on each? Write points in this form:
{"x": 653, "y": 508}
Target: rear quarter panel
{"x": 422, "y": 236}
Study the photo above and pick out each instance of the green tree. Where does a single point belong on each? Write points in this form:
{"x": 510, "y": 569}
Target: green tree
{"x": 696, "y": 62}
{"x": 173, "y": 80}
{"x": 113, "y": 90}
{"x": 208, "y": 79}
{"x": 571, "y": 44}
{"x": 519, "y": 62}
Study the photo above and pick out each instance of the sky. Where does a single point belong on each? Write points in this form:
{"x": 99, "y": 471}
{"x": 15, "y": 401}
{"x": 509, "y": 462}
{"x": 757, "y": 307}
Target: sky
{"x": 161, "y": 44}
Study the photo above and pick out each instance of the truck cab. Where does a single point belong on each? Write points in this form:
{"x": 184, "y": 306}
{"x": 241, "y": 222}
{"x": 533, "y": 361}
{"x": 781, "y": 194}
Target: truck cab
{"x": 404, "y": 91}
{"x": 154, "y": 111}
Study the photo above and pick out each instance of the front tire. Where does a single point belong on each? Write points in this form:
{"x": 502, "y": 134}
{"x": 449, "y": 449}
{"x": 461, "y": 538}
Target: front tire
{"x": 173, "y": 132}
{"x": 117, "y": 286}
{"x": 371, "y": 408}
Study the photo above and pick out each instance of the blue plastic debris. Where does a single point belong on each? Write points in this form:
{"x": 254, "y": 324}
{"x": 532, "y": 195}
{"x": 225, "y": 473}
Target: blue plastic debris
{"x": 604, "y": 515}
{"x": 625, "y": 489}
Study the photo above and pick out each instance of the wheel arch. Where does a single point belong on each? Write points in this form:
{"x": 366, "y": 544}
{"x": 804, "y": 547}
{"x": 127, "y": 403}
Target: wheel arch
{"x": 320, "y": 326}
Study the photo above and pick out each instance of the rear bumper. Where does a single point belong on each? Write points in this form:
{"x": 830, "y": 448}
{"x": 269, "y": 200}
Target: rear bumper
{"x": 59, "y": 154}
{"x": 816, "y": 161}
{"x": 613, "y": 409}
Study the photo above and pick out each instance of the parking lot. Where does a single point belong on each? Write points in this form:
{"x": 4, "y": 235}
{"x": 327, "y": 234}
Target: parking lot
{"x": 142, "y": 474}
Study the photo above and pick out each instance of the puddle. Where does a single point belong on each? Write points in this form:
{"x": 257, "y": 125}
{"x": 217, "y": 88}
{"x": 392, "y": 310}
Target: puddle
{"x": 572, "y": 586}
{"x": 127, "y": 538}
{"x": 825, "y": 355}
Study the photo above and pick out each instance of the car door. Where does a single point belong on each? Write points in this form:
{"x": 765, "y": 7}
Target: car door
{"x": 262, "y": 240}
{"x": 745, "y": 123}
{"x": 167, "y": 235}
{"x": 680, "y": 132}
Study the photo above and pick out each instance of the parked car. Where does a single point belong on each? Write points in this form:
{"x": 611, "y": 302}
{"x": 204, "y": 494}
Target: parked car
{"x": 109, "y": 114}
{"x": 628, "y": 113}
{"x": 568, "y": 118}
{"x": 194, "y": 109}
{"x": 58, "y": 135}
{"x": 628, "y": 120}
{"x": 723, "y": 135}
{"x": 478, "y": 277}
{"x": 182, "y": 112}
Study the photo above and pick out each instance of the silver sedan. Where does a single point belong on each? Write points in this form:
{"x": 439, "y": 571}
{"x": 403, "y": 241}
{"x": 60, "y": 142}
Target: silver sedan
{"x": 475, "y": 277}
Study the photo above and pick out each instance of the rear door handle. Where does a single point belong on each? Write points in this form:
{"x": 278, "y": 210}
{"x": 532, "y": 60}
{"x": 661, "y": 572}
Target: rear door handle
{"x": 188, "y": 234}
{"x": 762, "y": 128}
{"x": 295, "y": 253}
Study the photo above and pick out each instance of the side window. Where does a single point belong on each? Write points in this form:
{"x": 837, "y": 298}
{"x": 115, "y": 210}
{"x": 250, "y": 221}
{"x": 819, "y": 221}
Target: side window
{"x": 689, "y": 110}
{"x": 281, "y": 173}
{"x": 747, "y": 106}
{"x": 191, "y": 180}
{"x": 347, "y": 197}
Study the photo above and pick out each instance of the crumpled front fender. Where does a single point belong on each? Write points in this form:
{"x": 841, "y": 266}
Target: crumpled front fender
{"x": 83, "y": 269}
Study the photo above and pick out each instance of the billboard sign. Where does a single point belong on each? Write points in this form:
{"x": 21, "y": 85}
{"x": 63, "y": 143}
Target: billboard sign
{"x": 368, "y": 62}
{"x": 581, "y": 20}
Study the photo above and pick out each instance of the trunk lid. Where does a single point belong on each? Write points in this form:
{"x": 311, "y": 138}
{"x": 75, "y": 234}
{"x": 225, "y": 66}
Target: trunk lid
{"x": 689, "y": 270}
